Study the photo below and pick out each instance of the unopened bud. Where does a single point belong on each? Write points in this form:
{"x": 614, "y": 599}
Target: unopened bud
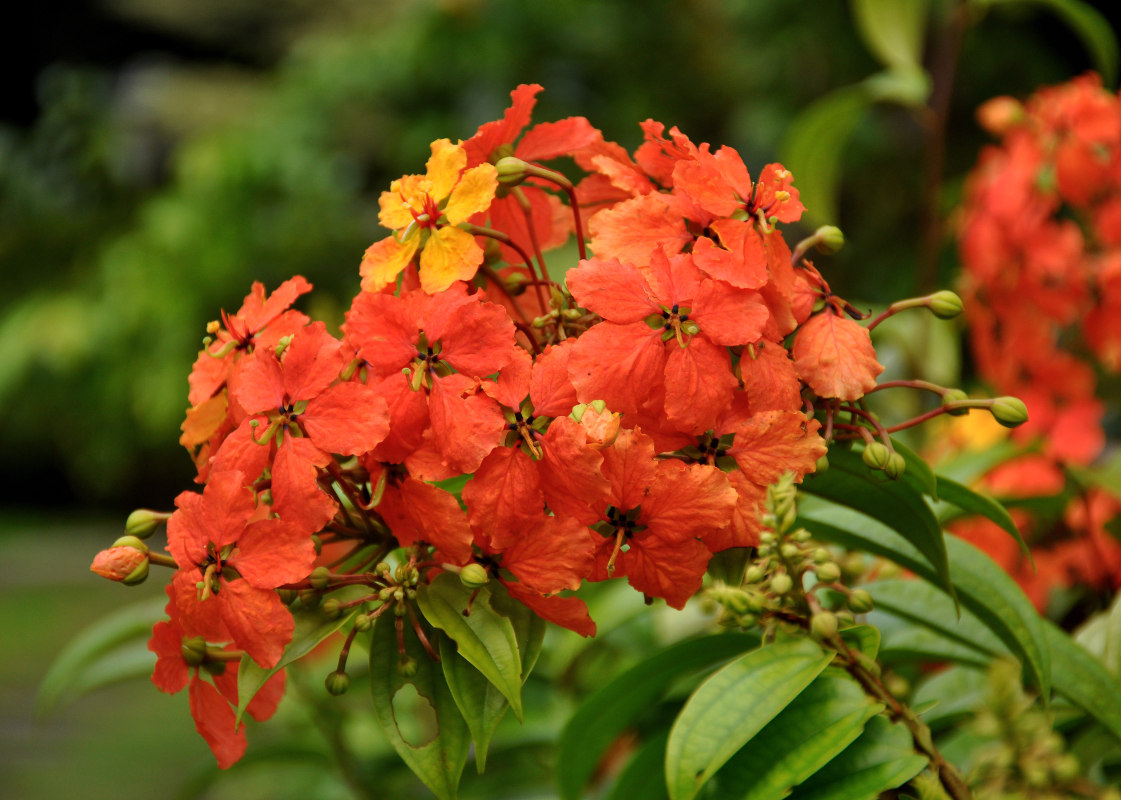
{"x": 823, "y": 625}
{"x": 895, "y": 467}
{"x": 754, "y": 574}
{"x": 828, "y": 572}
{"x": 319, "y": 578}
{"x": 511, "y": 171}
{"x": 945, "y": 304}
{"x": 829, "y": 238}
{"x": 331, "y": 607}
{"x": 1000, "y": 114}
{"x": 782, "y": 583}
{"x": 876, "y": 455}
{"x": 193, "y": 650}
{"x": 860, "y": 601}
{"x": 143, "y": 522}
{"x": 1009, "y": 411}
{"x": 955, "y": 396}
{"x": 690, "y": 328}
{"x": 125, "y": 562}
{"x": 790, "y": 551}
{"x": 337, "y": 683}
{"x": 473, "y": 576}
{"x": 282, "y": 345}
{"x": 363, "y": 623}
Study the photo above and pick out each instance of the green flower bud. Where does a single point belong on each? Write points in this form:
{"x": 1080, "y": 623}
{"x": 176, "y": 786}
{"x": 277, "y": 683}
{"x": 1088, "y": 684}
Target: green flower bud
{"x": 860, "y": 601}
{"x": 690, "y": 328}
{"x": 821, "y": 555}
{"x": 511, "y": 171}
{"x": 142, "y": 522}
{"x": 790, "y": 551}
{"x": 363, "y": 623}
{"x": 310, "y": 598}
{"x": 830, "y": 239}
{"x": 823, "y": 625}
{"x": 473, "y": 576}
{"x": 754, "y": 574}
{"x": 193, "y": 650}
{"x": 331, "y": 607}
{"x": 782, "y": 583}
{"x": 1009, "y": 411}
{"x": 955, "y": 396}
{"x": 337, "y": 683}
{"x": 828, "y": 572}
{"x": 895, "y": 467}
{"x": 319, "y": 578}
{"x": 737, "y": 601}
{"x": 876, "y": 455}
{"x": 945, "y": 304}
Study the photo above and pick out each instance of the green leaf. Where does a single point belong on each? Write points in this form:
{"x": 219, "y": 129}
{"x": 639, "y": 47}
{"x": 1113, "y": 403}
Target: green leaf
{"x": 1101, "y": 636}
{"x": 892, "y": 31}
{"x": 732, "y": 706}
{"x": 904, "y": 642}
{"x": 848, "y": 482}
{"x": 606, "y": 712}
{"x": 922, "y": 604}
{"x": 1091, "y": 26}
{"x": 1083, "y": 679}
{"x": 439, "y": 761}
{"x": 982, "y": 587}
{"x": 483, "y": 636}
{"x": 483, "y": 706}
{"x": 815, "y": 143}
{"x": 865, "y": 638}
{"x": 958, "y": 693}
{"x": 918, "y": 472}
{"x": 94, "y": 649}
{"x": 883, "y": 757}
{"x": 312, "y": 627}
{"x": 817, "y": 725}
{"x": 642, "y": 776}
{"x": 968, "y": 500}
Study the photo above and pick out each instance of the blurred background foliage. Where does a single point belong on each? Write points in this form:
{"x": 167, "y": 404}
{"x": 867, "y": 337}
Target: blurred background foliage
{"x": 160, "y": 156}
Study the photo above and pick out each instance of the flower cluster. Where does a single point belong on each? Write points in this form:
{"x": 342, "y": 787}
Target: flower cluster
{"x": 1041, "y": 248}
{"x": 487, "y": 415}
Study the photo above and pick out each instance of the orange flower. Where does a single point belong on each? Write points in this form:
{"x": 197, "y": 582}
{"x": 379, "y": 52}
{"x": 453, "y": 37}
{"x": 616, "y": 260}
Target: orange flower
{"x": 423, "y": 211}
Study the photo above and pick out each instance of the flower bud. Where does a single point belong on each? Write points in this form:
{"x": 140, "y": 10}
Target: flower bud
{"x": 601, "y": 427}
{"x": 331, "y": 607}
{"x": 1000, "y": 114}
{"x": 945, "y": 304}
{"x": 860, "y": 601}
{"x": 142, "y": 522}
{"x": 876, "y": 455}
{"x": 1009, "y": 411}
{"x": 511, "y": 171}
{"x": 690, "y": 328}
{"x": 823, "y": 625}
{"x": 337, "y": 683}
{"x": 895, "y": 467}
{"x": 319, "y": 578}
{"x": 473, "y": 576}
{"x": 363, "y": 623}
{"x": 125, "y": 562}
{"x": 828, "y": 572}
{"x": 955, "y": 396}
{"x": 782, "y": 583}
{"x": 754, "y": 574}
{"x": 193, "y": 650}
{"x": 829, "y": 238}
{"x": 790, "y": 551}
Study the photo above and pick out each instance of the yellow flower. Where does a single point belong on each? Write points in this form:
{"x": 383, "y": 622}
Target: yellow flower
{"x": 423, "y": 211}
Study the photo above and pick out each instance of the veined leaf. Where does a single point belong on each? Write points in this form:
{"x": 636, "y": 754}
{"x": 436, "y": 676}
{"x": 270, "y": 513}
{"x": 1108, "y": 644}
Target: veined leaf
{"x": 1083, "y": 679}
{"x": 865, "y": 638}
{"x": 439, "y": 761}
{"x": 892, "y": 31}
{"x": 957, "y": 692}
{"x": 817, "y": 725}
{"x": 883, "y": 757}
{"x": 897, "y": 505}
{"x": 732, "y": 706}
{"x": 968, "y": 500}
{"x": 483, "y": 706}
{"x": 483, "y": 636}
{"x": 982, "y": 587}
{"x": 67, "y": 678}
{"x": 920, "y": 603}
{"x": 606, "y": 712}
{"x": 312, "y": 627}
{"x": 905, "y": 642}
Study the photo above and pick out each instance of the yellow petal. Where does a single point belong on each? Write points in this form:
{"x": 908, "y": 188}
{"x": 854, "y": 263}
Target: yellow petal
{"x": 450, "y": 255}
{"x": 447, "y": 161}
{"x": 472, "y": 194}
{"x": 384, "y": 260}
{"x": 405, "y": 195}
